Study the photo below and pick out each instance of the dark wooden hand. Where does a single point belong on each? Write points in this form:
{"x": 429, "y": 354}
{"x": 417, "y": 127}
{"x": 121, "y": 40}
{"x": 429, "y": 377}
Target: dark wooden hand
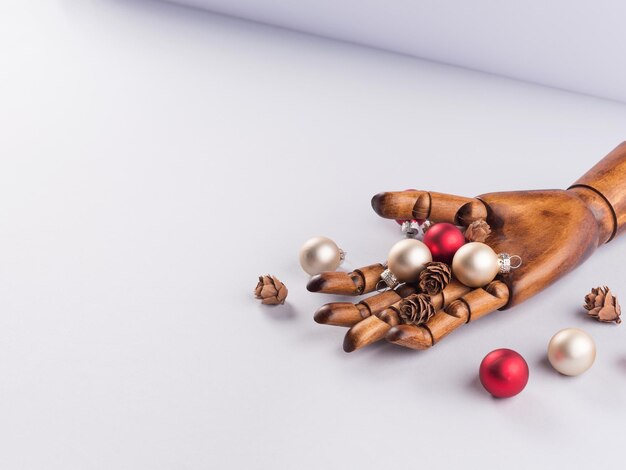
{"x": 553, "y": 231}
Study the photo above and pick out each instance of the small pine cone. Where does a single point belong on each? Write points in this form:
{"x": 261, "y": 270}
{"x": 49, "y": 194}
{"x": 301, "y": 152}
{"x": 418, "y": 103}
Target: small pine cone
{"x": 434, "y": 278}
{"x": 416, "y": 309}
{"x": 477, "y": 231}
{"x": 270, "y": 290}
{"x": 603, "y": 305}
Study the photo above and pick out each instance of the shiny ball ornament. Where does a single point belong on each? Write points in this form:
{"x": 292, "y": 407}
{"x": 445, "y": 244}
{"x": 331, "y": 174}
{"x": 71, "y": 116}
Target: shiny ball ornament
{"x": 443, "y": 240}
{"x": 571, "y": 351}
{"x": 320, "y": 254}
{"x": 407, "y": 259}
{"x": 503, "y": 373}
{"x": 475, "y": 264}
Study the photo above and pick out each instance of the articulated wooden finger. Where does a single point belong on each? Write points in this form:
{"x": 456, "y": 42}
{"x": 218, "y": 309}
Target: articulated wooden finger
{"x": 369, "y": 331}
{"x": 437, "y": 207}
{"x": 473, "y": 305}
{"x": 398, "y": 205}
{"x": 375, "y": 327}
{"x": 455, "y": 209}
{"x": 360, "y": 281}
{"x": 348, "y": 314}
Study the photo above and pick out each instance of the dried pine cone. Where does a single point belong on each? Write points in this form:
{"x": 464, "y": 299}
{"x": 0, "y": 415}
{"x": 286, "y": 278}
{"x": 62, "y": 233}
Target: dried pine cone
{"x": 434, "y": 278}
{"x": 416, "y": 309}
{"x": 270, "y": 290}
{"x": 477, "y": 231}
{"x": 603, "y": 305}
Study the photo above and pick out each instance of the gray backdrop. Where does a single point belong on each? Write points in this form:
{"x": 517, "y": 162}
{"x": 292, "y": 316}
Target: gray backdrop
{"x": 155, "y": 160}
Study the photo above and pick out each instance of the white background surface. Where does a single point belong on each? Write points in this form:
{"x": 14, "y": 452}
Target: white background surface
{"x": 154, "y": 160}
{"x": 570, "y": 44}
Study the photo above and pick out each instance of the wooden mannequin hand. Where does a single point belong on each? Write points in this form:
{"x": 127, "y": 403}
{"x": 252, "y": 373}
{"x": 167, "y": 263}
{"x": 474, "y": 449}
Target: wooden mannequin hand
{"x": 553, "y": 231}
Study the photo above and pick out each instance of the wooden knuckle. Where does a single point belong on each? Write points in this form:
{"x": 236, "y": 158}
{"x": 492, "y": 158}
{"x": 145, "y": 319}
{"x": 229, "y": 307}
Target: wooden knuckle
{"x": 379, "y": 302}
{"x": 444, "y": 323}
{"x": 358, "y": 279}
{"x": 366, "y": 279}
{"x": 498, "y": 289}
{"x": 459, "y": 309}
{"x": 421, "y": 208}
{"x": 452, "y": 292}
{"x": 481, "y": 302}
{"x": 390, "y": 315}
{"x": 470, "y": 212}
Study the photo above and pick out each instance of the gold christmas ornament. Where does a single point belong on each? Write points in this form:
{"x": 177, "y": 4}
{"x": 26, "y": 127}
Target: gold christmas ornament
{"x": 270, "y": 290}
{"x": 571, "y": 351}
{"x": 406, "y": 259}
{"x": 603, "y": 305}
{"x": 320, "y": 254}
{"x": 475, "y": 264}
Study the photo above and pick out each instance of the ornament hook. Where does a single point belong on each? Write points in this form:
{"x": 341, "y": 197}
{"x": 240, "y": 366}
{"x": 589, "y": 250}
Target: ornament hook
{"x": 519, "y": 261}
{"x": 504, "y": 262}
{"x": 410, "y": 228}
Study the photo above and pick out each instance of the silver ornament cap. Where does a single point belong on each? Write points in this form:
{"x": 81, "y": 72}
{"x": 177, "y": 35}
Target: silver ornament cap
{"x": 389, "y": 279}
{"x": 410, "y": 228}
{"x": 507, "y": 262}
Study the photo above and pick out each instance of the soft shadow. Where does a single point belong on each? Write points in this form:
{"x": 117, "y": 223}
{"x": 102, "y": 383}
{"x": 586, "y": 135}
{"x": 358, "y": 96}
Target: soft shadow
{"x": 285, "y": 312}
{"x": 476, "y": 388}
{"x": 544, "y": 363}
{"x": 621, "y": 363}
{"x": 385, "y": 350}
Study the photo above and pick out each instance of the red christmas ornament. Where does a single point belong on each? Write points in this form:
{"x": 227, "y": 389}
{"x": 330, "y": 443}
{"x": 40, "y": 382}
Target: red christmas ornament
{"x": 503, "y": 373}
{"x": 443, "y": 240}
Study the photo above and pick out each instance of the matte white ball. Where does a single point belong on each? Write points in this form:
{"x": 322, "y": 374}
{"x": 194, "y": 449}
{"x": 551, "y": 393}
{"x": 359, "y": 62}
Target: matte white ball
{"x": 571, "y": 351}
{"x": 475, "y": 264}
{"x": 407, "y": 259}
{"x": 319, "y": 254}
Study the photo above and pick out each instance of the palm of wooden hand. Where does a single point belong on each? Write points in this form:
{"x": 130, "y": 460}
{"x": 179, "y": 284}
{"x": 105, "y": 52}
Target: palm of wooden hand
{"x": 553, "y": 231}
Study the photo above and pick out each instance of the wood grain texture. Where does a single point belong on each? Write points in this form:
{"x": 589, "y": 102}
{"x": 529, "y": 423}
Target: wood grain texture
{"x": 471, "y": 306}
{"x": 360, "y": 281}
{"x": 437, "y": 207}
{"x": 375, "y": 328}
{"x": 398, "y": 205}
{"x": 455, "y": 209}
{"x": 348, "y": 313}
{"x": 608, "y": 179}
{"x": 553, "y": 231}
{"x": 366, "y": 332}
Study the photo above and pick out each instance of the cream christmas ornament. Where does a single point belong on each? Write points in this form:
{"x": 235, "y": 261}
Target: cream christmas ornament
{"x": 320, "y": 254}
